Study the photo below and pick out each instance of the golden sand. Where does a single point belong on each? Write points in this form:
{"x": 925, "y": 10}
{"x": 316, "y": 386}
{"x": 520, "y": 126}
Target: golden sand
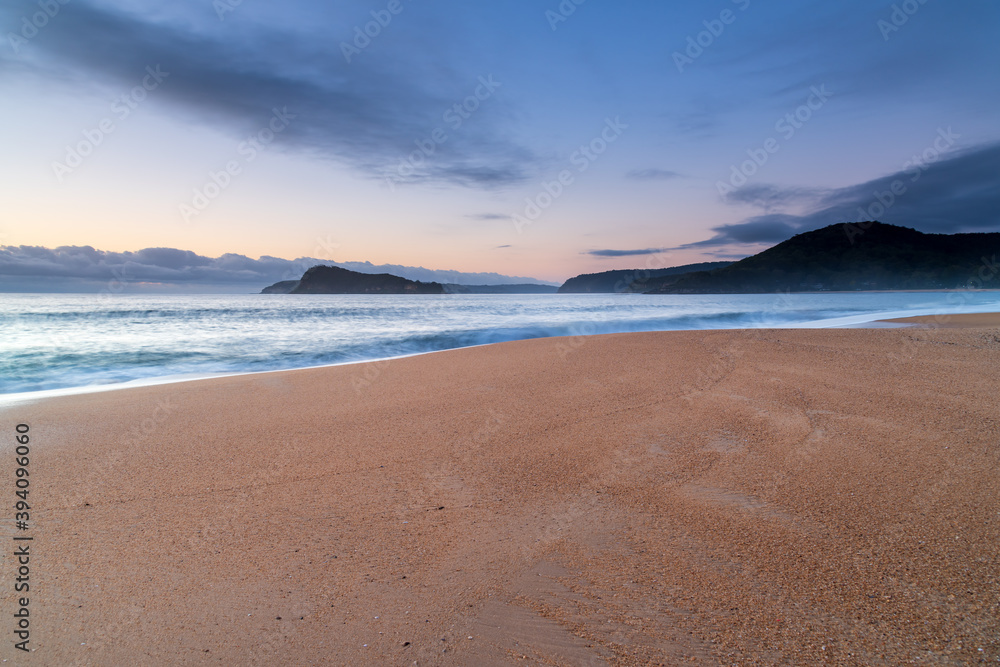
{"x": 961, "y": 321}
{"x": 707, "y": 498}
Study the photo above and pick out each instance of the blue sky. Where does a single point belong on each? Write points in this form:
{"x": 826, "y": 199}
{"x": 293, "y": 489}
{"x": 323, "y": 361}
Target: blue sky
{"x": 525, "y": 138}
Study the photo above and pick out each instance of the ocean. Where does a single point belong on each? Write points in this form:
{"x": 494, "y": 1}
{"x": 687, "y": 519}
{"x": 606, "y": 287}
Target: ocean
{"x": 64, "y": 343}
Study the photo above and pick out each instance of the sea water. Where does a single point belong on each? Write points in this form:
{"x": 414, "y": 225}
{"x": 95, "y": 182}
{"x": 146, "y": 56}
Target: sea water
{"x": 73, "y": 341}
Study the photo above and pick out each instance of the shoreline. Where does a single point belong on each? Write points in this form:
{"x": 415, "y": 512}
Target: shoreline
{"x": 950, "y": 320}
{"x": 705, "y": 497}
{"x": 941, "y": 290}
{"x": 958, "y": 320}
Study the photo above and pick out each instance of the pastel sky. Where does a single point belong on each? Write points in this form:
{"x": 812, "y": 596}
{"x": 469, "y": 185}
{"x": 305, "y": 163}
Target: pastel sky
{"x": 527, "y": 137}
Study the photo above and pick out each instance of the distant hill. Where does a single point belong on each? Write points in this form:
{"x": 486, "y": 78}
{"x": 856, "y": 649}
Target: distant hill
{"x": 883, "y": 257}
{"x": 282, "y": 287}
{"x": 444, "y": 277}
{"x": 335, "y": 280}
{"x": 450, "y": 288}
{"x": 344, "y": 281}
{"x": 629, "y": 280}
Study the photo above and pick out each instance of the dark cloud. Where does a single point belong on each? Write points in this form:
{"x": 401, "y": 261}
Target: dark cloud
{"x": 625, "y": 253}
{"x": 489, "y": 216}
{"x": 945, "y": 195}
{"x": 171, "y": 258}
{"x": 728, "y": 256}
{"x": 771, "y": 197}
{"x": 367, "y": 113}
{"x": 83, "y": 268}
{"x": 762, "y": 229}
{"x": 652, "y": 174}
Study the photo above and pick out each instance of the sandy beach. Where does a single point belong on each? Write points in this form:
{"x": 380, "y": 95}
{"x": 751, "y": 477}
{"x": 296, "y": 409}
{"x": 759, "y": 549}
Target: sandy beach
{"x": 959, "y": 321}
{"x": 709, "y": 497}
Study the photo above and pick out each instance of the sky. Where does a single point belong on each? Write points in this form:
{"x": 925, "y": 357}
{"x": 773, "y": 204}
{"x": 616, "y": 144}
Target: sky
{"x": 528, "y": 138}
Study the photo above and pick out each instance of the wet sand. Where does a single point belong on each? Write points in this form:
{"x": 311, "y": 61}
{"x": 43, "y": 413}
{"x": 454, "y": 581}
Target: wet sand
{"x": 961, "y": 321}
{"x": 738, "y": 497}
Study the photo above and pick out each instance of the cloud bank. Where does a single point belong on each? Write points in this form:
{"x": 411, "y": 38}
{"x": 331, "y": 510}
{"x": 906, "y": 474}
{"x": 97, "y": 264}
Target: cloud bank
{"x": 85, "y": 269}
{"x": 626, "y": 253}
{"x": 367, "y": 113}
{"x": 957, "y": 194}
